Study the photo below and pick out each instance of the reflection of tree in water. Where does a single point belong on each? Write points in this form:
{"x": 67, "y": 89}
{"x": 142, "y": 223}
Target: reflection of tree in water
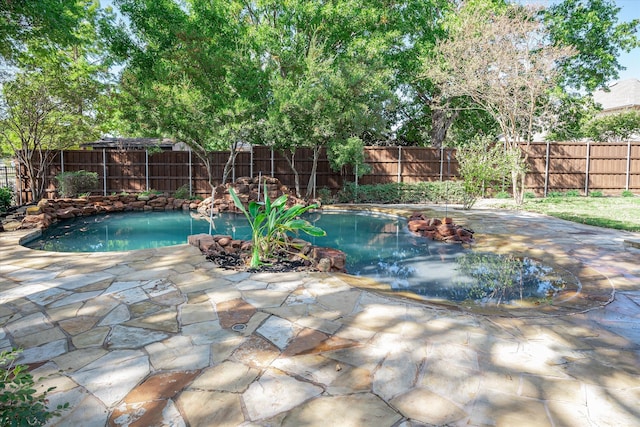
{"x": 503, "y": 278}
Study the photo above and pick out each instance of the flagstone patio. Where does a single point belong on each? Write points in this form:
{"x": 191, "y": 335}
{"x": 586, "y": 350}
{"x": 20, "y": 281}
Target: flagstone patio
{"x": 163, "y": 337}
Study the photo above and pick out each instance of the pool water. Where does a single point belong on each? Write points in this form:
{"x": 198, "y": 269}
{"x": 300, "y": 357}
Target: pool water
{"x": 377, "y": 246}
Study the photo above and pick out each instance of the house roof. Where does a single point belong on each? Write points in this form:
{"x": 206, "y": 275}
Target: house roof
{"x": 624, "y": 94}
{"x": 130, "y": 143}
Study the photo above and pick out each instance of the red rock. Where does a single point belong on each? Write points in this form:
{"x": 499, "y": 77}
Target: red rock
{"x": 418, "y": 225}
{"x": 446, "y": 230}
{"x": 338, "y": 258}
{"x": 89, "y": 210}
{"x": 447, "y": 220}
{"x": 68, "y": 213}
{"x": 138, "y": 204}
{"x": 224, "y": 241}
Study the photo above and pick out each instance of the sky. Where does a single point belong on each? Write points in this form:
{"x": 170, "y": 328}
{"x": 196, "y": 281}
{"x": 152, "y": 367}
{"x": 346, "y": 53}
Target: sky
{"x": 629, "y": 9}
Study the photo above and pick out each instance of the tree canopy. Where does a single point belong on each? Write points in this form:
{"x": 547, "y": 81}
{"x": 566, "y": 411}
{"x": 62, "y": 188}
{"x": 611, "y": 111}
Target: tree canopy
{"x": 219, "y": 74}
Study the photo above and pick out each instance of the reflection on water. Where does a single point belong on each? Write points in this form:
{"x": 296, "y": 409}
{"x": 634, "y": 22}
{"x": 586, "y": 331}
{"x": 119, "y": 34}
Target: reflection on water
{"x": 377, "y": 246}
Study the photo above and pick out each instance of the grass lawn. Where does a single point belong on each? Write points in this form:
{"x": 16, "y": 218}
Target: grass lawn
{"x": 622, "y": 213}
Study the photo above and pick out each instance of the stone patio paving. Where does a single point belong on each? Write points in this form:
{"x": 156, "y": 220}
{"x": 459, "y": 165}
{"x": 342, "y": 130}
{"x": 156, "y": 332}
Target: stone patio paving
{"x": 163, "y": 337}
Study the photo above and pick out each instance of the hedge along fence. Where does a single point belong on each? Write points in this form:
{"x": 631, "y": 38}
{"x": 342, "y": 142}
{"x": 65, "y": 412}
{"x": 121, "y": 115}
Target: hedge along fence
{"x": 607, "y": 167}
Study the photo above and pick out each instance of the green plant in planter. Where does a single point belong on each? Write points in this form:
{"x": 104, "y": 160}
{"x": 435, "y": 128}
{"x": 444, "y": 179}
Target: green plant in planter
{"x": 270, "y": 222}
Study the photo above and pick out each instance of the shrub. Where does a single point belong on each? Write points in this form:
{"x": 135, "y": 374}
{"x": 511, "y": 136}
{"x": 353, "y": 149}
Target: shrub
{"x": 435, "y": 191}
{"x": 182, "y": 192}
{"x": 481, "y": 164}
{"x": 6, "y": 197}
{"x": 71, "y": 184}
{"x": 554, "y": 194}
{"x": 572, "y": 193}
{"x": 529, "y": 195}
{"x": 503, "y": 195}
{"x": 595, "y": 194}
{"x": 627, "y": 193}
{"x": 20, "y": 403}
{"x": 270, "y": 222}
{"x": 324, "y": 194}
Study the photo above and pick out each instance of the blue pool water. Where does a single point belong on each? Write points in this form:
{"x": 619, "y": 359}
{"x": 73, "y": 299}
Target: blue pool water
{"x": 377, "y": 246}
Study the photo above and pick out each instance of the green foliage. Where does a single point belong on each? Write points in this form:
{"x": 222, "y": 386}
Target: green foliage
{"x": 24, "y": 21}
{"x": 351, "y": 152}
{"x": 554, "y": 194}
{"x": 72, "y": 184}
{"x": 503, "y": 195}
{"x": 182, "y": 192}
{"x": 613, "y": 127}
{"x": 6, "y": 198}
{"x": 591, "y": 28}
{"x": 436, "y": 192}
{"x": 325, "y": 195}
{"x": 572, "y": 193}
{"x": 155, "y": 149}
{"x": 481, "y": 164}
{"x": 568, "y": 116}
{"x": 270, "y": 222}
{"x": 20, "y": 403}
{"x": 529, "y": 195}
{"x": 627, "y": 193}
{"x": 596, "y": 194}
{"x": 52, "y": 98}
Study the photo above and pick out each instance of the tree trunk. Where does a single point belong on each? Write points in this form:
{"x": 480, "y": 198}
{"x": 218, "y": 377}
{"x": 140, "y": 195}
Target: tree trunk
{"x": 311, "y": 186}
{"x": 231, "y": 160}
{"x": 296, "y": 175}
{"x": 441, "y": 121}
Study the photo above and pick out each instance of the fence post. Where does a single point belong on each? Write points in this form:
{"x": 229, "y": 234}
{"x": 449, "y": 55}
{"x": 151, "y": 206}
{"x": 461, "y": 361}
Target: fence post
{"x": 251, "y": 162}
{"x": 546, "y": 169}
{"x": 586, "y": 181}
{"x": 272, "y": 167}
{"x": 146, "y": 167}
{"x": 233, "y": 155}
{"x": 441, "y": 162}
{"x": 104, "y": 171}
{"x": 628, "y": 183}
{"x": 62, "y": 161}
{"x": 19, "y": 175}
{"x": 399, "y": 164}
{"x": 190, "y": 175}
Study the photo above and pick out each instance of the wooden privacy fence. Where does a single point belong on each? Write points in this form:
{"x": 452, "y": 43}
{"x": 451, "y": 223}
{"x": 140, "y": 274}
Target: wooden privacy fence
{"x": 606, "y": 167}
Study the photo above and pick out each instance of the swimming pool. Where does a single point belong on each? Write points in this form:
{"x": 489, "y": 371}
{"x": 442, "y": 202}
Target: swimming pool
{"x": 377, "y": 246}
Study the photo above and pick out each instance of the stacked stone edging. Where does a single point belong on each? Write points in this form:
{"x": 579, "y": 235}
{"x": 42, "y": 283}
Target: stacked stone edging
{"x": 248, "y": 189}
{"x": 312, "y": 257}
{"x": 50, "y": 210}
{"x": 443, "y": 230}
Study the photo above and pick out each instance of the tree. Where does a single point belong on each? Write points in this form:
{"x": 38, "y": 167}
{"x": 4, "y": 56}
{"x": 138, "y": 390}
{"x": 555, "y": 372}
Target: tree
{"x": 614, "y": 127}
{"x": 23, "y": 21}
{"x": 327, "y": 76}
{"x": 567, "y": 116}
{"x": 50, "y": 103}
{"x": 502, "y": 60}
{"x": 192, "y": 73}
{"x": 591, "y": 28}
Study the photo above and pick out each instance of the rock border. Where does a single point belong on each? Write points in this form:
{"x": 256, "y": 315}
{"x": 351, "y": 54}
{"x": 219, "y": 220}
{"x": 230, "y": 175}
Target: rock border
{"x": 443, "y": 230}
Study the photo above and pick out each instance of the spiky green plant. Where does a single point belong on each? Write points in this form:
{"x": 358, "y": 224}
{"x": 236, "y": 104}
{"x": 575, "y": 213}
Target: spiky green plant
{"x": 270, "y": 222}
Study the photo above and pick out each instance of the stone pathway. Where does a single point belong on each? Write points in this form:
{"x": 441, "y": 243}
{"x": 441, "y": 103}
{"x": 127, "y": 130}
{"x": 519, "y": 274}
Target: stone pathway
{"x": 162, "y": 337}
